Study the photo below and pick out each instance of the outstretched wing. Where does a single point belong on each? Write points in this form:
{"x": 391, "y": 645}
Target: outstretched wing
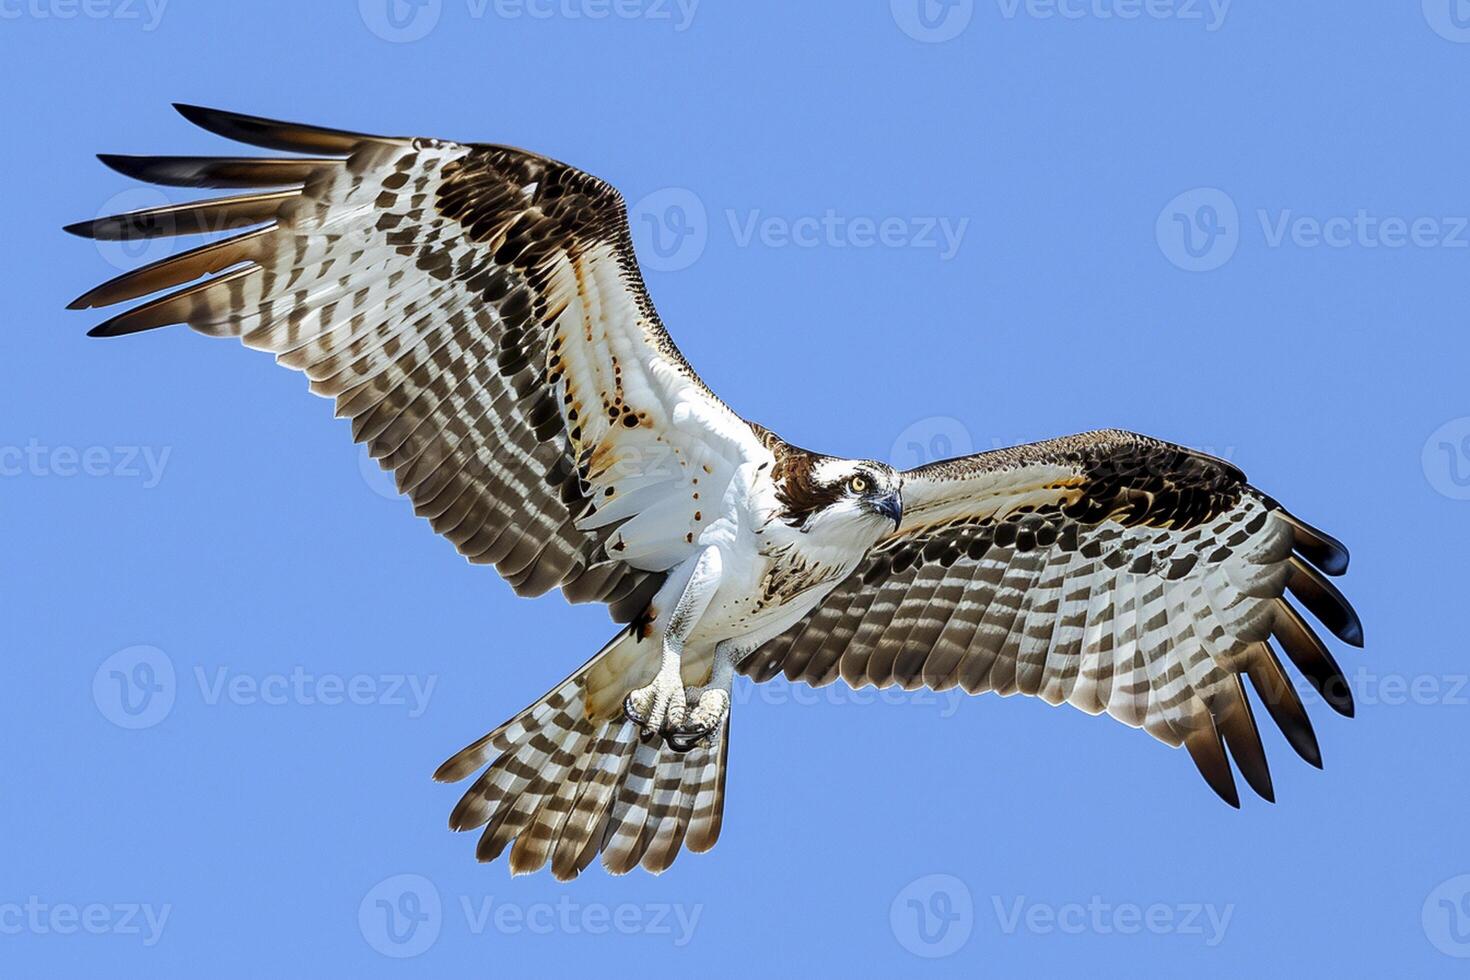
{"x": 1107, "y": 570}
{"x": 478, "y": 314}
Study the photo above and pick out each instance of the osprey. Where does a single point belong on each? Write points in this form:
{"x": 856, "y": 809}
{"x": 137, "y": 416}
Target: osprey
{"x": 478, "y": 313}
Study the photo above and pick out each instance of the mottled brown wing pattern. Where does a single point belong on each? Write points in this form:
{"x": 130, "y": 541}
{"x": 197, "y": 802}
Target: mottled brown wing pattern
{"x": 477, "y": 312}
{"x": 1109, "y": 571}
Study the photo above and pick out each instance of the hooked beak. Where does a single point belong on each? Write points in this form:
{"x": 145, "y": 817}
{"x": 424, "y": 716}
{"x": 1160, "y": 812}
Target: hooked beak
{"x": 890, "y": 507}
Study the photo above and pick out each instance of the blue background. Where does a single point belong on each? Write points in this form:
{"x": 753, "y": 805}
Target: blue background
{"x": 1330, "y": 374}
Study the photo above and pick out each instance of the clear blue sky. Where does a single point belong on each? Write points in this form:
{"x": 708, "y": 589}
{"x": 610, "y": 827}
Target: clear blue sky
{"x": 880, "y": 230}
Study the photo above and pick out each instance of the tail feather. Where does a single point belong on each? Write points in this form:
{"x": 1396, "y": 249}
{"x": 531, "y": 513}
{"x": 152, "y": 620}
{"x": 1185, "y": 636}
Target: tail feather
{"x": 581, "y": 838}
{"x": 624, "y": 840}
{"x": 709, "y": 801}
{"x": 568, "y": 783}
{"x": 673, "y": 799}
{"x": 533, "y": 848}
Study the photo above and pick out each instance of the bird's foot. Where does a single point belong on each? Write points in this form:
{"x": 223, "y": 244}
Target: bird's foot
{"x": 659, "y": 707}
{"x": 706, "y": 710}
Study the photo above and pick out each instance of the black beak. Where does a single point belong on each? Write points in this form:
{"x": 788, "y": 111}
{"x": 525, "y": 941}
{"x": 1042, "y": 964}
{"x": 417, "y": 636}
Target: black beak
{"x": 890, "y": 507}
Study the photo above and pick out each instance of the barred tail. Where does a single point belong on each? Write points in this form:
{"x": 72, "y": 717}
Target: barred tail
{"x": 568, "y": 782}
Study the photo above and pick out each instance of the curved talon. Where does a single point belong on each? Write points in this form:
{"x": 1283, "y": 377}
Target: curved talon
{"x": 633, "y": 714}
{"x": 686, "y": 739}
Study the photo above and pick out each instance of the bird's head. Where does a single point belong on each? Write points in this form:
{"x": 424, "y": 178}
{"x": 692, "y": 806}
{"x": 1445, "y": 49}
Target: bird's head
{"x": 852, "y": 498}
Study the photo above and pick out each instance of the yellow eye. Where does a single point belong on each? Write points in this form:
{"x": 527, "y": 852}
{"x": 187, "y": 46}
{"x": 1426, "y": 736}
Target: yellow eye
{"x": 858, "y": 484}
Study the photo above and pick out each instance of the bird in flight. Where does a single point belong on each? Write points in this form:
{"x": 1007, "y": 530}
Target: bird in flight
{"x": 477, "y": 312}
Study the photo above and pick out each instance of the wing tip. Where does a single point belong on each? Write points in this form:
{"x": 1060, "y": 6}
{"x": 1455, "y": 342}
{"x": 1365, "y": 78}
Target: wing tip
{"x": 126, "y": 164}
{"x": 192, "y": 111}
{"x": 121, "y": 326}
{"x": 1325, "y": 601}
